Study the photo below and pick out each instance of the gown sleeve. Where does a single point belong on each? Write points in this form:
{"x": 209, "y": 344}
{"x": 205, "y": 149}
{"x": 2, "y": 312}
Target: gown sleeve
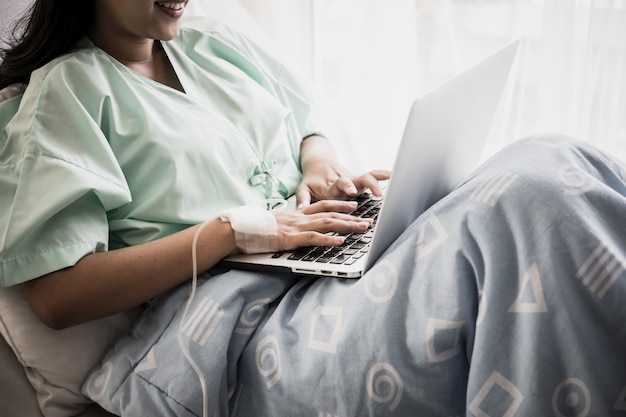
{"x": 58, "y": 178}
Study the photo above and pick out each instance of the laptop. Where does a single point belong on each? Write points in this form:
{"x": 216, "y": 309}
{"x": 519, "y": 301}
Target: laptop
{"x": 442, "y": 144}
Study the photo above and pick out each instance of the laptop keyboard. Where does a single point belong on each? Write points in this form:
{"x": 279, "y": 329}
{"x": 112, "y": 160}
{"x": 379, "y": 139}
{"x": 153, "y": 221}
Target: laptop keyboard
{"x": 356, "y": 244}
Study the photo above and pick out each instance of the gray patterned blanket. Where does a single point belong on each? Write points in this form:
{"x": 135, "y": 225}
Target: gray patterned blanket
{"x": 506, "y": 298}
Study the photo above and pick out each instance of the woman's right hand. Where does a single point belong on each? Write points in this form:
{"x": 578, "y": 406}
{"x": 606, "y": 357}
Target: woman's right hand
{"x": 308, "y": 226}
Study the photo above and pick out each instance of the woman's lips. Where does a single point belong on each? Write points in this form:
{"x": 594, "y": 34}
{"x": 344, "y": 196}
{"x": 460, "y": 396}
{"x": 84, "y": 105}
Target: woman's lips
{"x": 174, "y": 9}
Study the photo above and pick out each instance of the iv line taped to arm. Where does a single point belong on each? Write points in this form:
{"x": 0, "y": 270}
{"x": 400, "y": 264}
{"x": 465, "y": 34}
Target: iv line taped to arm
{"x": 272, "y": 204}
{"x": 256, "y": 229}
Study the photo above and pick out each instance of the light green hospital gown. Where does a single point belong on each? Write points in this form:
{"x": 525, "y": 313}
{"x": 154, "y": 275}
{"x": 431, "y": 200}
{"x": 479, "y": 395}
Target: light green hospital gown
{"x": 100, "y": 157}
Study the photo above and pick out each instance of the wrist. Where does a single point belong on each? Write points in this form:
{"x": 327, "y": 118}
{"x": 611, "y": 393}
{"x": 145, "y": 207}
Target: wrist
{"x": 255, "y": 230}
{"x": 315, "y": 150}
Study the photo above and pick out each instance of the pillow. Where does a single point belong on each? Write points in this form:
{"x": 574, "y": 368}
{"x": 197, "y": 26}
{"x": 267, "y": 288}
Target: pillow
{"x": 57, "y": 361}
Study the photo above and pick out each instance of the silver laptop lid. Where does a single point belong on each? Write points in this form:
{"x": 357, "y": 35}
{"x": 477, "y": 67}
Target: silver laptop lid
{"x": 442, "y": 144}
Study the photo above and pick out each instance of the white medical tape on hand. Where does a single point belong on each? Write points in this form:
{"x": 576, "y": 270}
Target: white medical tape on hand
{"x": 256, "y": 229}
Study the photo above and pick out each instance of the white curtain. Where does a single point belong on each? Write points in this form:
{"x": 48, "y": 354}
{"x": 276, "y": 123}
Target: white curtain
{"x": 371, "y": 58}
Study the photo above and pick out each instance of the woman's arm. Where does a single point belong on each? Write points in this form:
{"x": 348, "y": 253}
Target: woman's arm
{"x": 325, "y": 178}
{"x": 105, "y": 283}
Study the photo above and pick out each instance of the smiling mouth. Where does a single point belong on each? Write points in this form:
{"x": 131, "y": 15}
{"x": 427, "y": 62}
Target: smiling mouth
{"x": 171, "y": 5}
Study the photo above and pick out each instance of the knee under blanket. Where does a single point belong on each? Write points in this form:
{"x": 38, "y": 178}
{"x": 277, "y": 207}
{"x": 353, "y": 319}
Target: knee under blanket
{"x": 504, "y": 299}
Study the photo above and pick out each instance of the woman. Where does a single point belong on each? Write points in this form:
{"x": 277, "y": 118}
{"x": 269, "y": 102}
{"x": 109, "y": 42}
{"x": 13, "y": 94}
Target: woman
{"x": 491, "y": 303}
{"x": 122, "y": 37}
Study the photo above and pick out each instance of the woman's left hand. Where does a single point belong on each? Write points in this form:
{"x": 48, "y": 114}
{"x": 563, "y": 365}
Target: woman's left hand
{"x": 331, "y": 181}
{"x": 324, "y": 178}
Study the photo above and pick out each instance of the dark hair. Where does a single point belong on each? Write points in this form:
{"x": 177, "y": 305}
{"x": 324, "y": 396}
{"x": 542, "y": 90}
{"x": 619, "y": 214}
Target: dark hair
{"x": 48, "y": 29}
